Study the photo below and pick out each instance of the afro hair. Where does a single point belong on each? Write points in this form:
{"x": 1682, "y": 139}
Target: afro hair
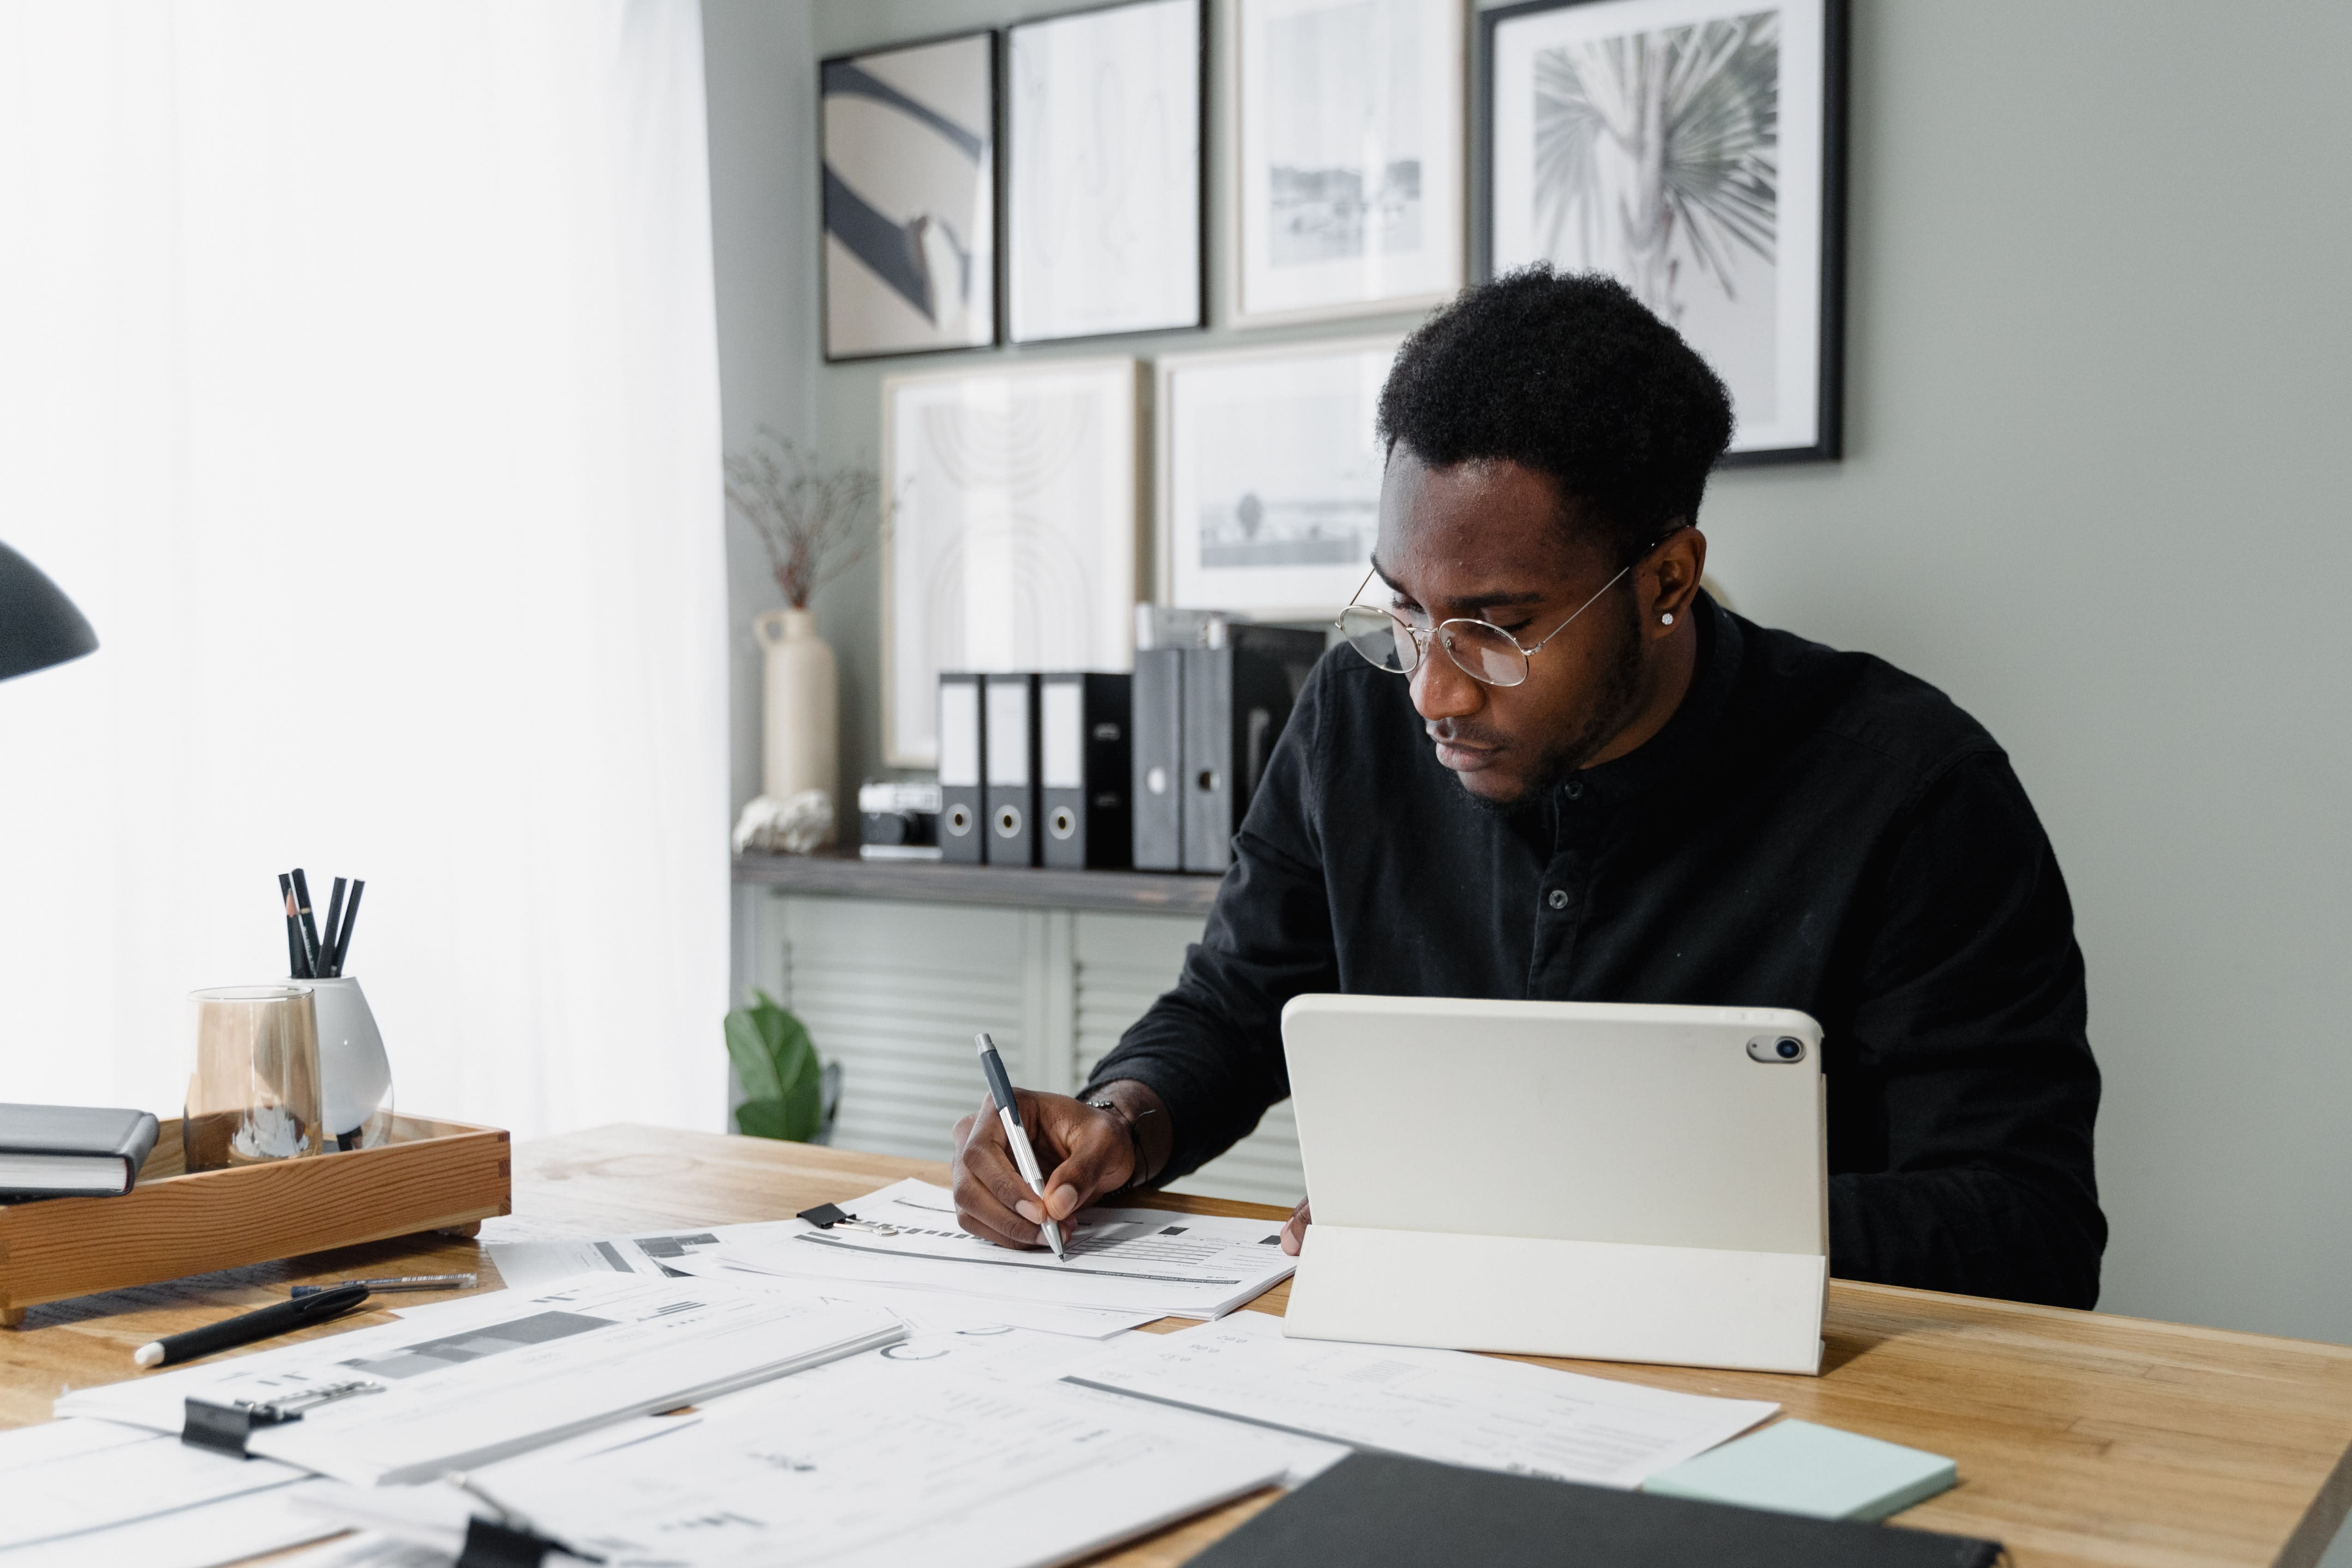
{"x": 1569, "y": 375}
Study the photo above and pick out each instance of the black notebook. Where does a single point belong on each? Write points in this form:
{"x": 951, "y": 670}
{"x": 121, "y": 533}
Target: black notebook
{"x": 1383, "y": 1511}
{"x": 71, "y": 1151}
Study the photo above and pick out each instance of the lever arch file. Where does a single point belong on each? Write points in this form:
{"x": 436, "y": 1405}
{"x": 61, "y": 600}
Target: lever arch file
{"x": 961, "y": 733}
{"x": 1083, "y": 760}
{"x": 1157, "y": 775}
{"x": 1008, "y": 797}
{"x": 1236, "y": 698}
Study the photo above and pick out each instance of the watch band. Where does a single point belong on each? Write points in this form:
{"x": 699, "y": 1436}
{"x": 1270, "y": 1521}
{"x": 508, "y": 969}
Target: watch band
{"x": 1136, "y": 1178}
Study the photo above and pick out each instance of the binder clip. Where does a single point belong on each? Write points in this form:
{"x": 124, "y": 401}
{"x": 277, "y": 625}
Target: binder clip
{"x": 489, "y": 1545}
{"x": 824, "y": 1216}
{"x": 224, "y": 1428}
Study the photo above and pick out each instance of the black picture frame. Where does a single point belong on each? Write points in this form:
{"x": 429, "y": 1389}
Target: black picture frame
{"x": 827, "y": 197}
{"x": 1204, "y": 10}
{"x": 1829, "y": 401}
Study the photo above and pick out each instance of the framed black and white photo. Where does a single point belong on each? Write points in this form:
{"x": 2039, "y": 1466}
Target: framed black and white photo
{"x": 1010, "y": 515}
{"x": 1270, "y": 476}
{"x": 909, "y": 153}
{"x": 1103, "y": 173}
{"x": 1694, "y": 150}
{"x": 1347, "y": 165}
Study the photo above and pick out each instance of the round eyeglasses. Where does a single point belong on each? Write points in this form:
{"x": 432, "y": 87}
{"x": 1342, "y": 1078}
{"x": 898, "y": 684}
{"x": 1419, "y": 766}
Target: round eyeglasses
{"x": 1484, "y": 651}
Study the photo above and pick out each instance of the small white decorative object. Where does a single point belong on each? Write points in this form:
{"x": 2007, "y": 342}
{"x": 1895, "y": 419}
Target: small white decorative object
{"x": 799, "y": 824}
{"x": 354, "y": 1078}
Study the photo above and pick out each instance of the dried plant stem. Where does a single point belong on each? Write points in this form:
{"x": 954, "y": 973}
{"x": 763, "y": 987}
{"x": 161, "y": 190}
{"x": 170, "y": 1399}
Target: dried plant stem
{"x": 809, "y": 520}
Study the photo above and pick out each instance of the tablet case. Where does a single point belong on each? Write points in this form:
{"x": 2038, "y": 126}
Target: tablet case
{"x": 1384, "y": 1510}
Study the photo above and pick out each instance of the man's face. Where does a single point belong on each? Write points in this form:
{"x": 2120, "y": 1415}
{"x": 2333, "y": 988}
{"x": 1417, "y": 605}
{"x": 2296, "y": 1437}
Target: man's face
{"x": 1482, "y": 541}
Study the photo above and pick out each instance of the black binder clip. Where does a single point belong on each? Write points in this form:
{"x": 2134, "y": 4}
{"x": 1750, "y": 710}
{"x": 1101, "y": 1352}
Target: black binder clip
{"x": 824, "y": 1216}
{"x": 489, "y": 1545}
{"x": 224, "y": 1428}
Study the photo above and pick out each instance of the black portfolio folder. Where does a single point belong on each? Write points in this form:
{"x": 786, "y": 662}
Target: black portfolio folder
{"x": 1083, "y": 758}
{"x": 1383, "y": 1510}
{"x": 1157, "y": 775}
{"x": 1009, "y": 791}
{"x": 962, "y": 736}
{"x": 1236, "y": 700}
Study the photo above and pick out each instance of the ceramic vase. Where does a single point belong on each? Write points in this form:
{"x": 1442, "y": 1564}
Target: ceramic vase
{"x": 354, "y": 1079}
{"x": 803, "y": 729}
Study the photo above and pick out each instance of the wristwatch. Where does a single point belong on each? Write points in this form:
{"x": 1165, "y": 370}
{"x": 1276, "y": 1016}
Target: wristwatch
{"x": 1136, "y": 1178}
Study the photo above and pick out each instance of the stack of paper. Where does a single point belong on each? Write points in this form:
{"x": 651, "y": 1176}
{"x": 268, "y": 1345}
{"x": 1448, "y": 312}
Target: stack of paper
{"x": 980, "y": 1476}
{"x": 1432, "y": 1404}
{"x": 1137, "y": 1260}
{"x": 81, "y": 1491}
{"x": 498, "y": 1374}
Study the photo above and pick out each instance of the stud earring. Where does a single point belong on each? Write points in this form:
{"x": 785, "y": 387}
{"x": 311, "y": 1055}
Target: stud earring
{"x": 1667, "y": 620}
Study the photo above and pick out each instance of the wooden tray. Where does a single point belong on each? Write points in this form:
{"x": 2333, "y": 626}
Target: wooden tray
{"x": 433, "y": 1176}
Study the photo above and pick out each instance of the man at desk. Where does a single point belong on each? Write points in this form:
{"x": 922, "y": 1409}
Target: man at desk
{"x": 1549, "y": 765}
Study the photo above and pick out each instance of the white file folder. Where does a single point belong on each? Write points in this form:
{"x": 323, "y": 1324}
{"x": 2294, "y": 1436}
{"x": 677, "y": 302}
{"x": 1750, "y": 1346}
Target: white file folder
{"x": 1614, "y": 1182}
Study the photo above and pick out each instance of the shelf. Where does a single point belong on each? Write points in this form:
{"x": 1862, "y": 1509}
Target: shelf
{"x": 932, "y": 881}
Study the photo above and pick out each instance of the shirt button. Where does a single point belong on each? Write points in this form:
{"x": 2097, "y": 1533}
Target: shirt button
{"x": 1557, "y": 899}
{"x": 1573, "y": 789}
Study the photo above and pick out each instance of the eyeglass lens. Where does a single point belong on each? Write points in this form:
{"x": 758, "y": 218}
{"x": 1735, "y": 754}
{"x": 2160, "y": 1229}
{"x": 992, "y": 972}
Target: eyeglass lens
{"x": 1484, "y": 652}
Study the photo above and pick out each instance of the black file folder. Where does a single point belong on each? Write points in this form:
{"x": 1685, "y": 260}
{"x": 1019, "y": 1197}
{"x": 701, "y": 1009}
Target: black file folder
{"x": 1009, "y": 797}
{"x": 962, "y": 737}
{"x": 1156, "y": 789}
{"x": 1384, "y": 1510}
{"x": 1084, "y": 759}
{"x": 1236, "y": 700}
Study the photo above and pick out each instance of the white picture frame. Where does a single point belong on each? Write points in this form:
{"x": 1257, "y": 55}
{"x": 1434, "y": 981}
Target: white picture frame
{"x": 1011, "y": 508}
{"x": 1331, "y": 100}
{"x": 1270, "y": 475}
{"x": 1745, "y": 256}
{"x": 1102, "y": 191}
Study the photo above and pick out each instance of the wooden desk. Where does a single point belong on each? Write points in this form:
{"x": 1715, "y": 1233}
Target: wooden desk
{"x": 2082, "y": 1440}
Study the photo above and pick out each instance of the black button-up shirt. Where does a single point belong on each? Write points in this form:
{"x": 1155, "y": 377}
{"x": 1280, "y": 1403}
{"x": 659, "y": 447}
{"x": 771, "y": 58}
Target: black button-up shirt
{"x": 1811, "y": 829}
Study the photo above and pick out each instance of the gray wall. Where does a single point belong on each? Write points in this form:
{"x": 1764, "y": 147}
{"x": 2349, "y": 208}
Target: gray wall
{"x": 2098, "y": 347}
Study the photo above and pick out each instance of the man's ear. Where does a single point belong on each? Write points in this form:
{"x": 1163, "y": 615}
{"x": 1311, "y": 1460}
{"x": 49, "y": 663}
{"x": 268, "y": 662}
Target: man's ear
{"x": 1666, "y": 584}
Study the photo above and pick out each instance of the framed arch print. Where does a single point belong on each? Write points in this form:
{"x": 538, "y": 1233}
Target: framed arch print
{"x": 1695, "y": 150}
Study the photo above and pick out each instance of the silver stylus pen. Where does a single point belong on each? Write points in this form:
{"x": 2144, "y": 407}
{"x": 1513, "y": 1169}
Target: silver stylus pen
{"x": 1008, "y": 1111}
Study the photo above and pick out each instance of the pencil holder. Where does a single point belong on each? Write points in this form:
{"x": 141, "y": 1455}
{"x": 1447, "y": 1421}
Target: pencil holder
{"x": 354, "y": 1079}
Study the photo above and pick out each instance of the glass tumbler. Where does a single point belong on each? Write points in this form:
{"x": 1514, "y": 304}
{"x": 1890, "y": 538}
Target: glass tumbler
{"x": 254, "y": 1095}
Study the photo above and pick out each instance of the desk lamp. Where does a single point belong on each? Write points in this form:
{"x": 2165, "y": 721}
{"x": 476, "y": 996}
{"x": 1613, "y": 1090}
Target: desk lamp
{"x": 38, "y": 624}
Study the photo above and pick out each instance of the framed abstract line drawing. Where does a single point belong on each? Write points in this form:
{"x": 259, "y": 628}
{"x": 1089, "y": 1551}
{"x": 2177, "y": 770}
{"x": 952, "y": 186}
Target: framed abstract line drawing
{"x": 1011, "y": 501}
{"x": 1695, "y": 150}
{"x": 1103, "y": 189}
{"x": 1348, "y": 166}
{"x": 909, "y": 154}
{"x": 1270, "y": 475}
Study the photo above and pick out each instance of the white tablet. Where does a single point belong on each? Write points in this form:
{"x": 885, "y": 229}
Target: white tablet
{"x": 1627, "y": 1182}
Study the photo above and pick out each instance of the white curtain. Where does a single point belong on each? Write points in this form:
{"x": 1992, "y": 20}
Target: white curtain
{"x": 358, "y": 378}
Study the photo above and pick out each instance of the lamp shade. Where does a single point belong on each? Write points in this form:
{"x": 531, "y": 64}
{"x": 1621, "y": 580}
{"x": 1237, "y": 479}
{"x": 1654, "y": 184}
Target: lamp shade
{"x": 38, "y": 624}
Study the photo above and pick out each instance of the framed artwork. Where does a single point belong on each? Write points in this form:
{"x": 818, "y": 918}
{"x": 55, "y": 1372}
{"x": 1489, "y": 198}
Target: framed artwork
{"x": 910, "y": 152}
{"x": 1270, "y": 476}
{"x": 1010, "y": 498}
{"x": 1695, "y": 150}
{"x": 1348, "y": 167}
{"x": 1102, "y": 191}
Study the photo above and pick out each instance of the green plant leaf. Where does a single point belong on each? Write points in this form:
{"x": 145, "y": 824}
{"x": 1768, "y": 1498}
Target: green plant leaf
{"x": 762, "y": 1119}
{"x": 755, "y": 1064}
{"x": 783, "y": 1079}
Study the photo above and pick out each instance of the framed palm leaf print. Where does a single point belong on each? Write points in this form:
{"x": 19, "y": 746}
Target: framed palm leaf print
{"x": 1695, "y": 150}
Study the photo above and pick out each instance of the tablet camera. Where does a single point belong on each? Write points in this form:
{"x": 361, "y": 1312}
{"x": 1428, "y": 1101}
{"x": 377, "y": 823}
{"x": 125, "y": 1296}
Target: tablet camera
{"x": 1778, "y": 1049}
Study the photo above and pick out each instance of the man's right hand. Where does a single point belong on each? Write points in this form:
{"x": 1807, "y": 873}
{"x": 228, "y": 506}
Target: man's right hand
{"x": 1084, "y": 1153}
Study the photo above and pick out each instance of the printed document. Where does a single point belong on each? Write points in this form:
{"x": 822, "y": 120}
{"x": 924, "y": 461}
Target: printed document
{"x": 980, "y": 1475}
{"x": 1447, "y": 1406}
{"x": 409, "y": 1400}
{"x": 1138, "y": 1260}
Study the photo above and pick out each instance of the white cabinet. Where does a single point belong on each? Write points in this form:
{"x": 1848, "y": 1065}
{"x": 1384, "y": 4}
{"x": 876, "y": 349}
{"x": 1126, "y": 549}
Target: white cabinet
{"x": 893, "y": 991}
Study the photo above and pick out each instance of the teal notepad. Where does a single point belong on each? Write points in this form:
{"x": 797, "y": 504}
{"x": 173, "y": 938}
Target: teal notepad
{"x": 1795, "y": 1467}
